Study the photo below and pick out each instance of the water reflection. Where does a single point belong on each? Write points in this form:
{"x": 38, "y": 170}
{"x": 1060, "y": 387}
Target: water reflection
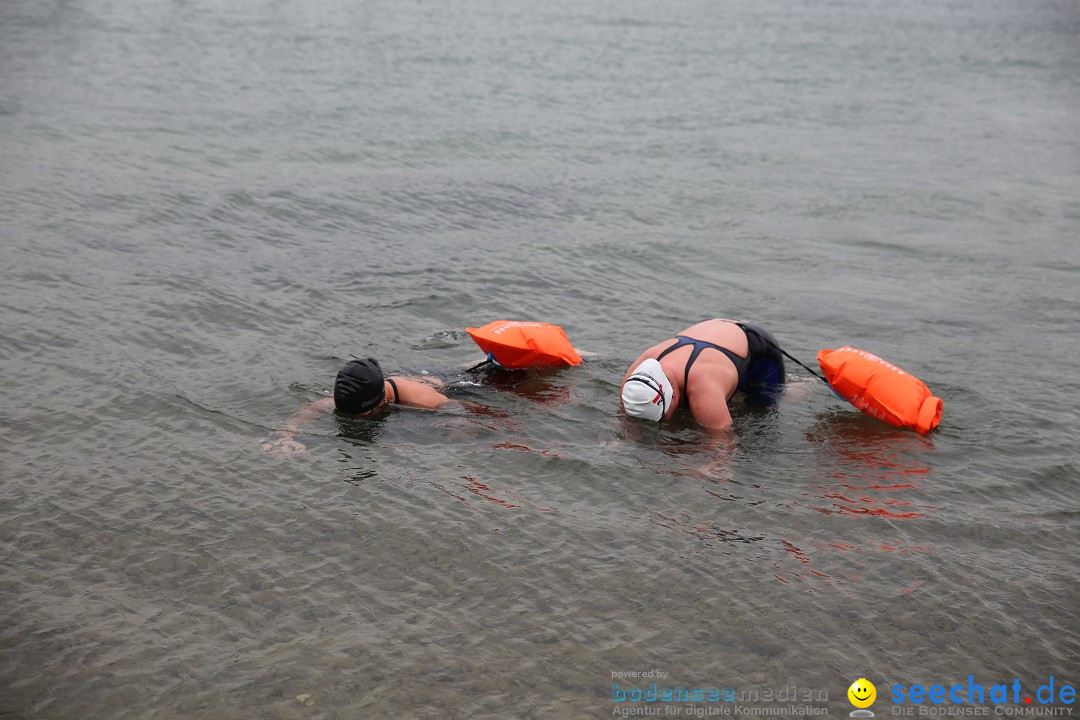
{"x": 701, "y": 529}
{"x": 360, "y": 430}
{"x": 541, "y": 386}
{"x": 468, "y": 490}
{"x": 855, "y": 468}
{"x": 679, "y": 448}
{"x": 867, "y": 470}
{"x": 872, "y": 469}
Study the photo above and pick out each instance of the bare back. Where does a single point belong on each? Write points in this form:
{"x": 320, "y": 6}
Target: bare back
{"x": 725, "y": 333}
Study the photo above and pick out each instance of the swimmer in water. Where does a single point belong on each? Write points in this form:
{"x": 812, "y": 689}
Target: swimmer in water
{"x": 362, "y": 389}
{"x": 701, "y": 368}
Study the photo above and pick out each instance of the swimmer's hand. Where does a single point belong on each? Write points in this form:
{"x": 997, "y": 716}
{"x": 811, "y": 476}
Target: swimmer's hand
{"x": 284, "y": 446}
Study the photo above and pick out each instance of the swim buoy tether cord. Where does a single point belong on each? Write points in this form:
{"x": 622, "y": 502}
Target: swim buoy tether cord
{"x": 795, "y": 360}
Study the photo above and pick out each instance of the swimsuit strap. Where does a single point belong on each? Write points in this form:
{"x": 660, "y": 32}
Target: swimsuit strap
{"x": 699, "y": 345}
{"x": 394, "y": 385}
{"x": 679, "y": 342}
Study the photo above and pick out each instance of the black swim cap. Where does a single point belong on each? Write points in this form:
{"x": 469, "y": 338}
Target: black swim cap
{"x": 359, "y": 386}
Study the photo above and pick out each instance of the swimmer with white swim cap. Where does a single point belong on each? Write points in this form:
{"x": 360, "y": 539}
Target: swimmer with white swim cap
{"x": 684, "y": 372}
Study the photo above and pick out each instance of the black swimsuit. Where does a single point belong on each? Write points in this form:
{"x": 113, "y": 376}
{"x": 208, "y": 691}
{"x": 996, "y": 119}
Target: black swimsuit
{"x": 699, "y": 345}
{"x": 393, "y": 385}
{"x": 762, "y": 368}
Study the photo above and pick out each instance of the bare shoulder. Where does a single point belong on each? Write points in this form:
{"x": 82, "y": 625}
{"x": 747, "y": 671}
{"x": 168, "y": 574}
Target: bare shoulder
{"x": 418, "y": 394}
{"x": 426, "y": 379}
{"x": 650, "y": 353}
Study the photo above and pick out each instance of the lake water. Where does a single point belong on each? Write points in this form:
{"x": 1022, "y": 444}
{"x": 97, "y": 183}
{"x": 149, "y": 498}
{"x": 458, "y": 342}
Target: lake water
{"x": 206, "y": 206}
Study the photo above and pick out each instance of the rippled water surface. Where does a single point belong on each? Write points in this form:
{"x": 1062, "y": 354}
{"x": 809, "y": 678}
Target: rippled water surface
{"x": 206, "y": 206}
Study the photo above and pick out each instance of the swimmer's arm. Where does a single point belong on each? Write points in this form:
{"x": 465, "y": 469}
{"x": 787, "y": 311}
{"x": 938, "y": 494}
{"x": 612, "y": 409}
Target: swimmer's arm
{"x": 708, "y": 405}
{"x": 311, "y": 411}
{"x": 286, "y": 444}
{"x": 419, "y": 394}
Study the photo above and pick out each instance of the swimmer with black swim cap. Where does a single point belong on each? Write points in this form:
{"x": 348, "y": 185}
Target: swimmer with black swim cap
{"x": 360, "y": 388}
{"x": 701, "y": 368}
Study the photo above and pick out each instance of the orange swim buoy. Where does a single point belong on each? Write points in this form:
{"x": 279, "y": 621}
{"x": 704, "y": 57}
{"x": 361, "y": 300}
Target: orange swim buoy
{"x": 880, "y": 389}
{"x": 516, "y": 344}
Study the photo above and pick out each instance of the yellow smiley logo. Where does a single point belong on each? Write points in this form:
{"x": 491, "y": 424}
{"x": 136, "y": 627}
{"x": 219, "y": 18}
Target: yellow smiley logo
{"x": 862, "y": 693}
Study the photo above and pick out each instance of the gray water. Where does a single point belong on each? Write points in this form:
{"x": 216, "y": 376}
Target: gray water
{"x": 206, "y": 206}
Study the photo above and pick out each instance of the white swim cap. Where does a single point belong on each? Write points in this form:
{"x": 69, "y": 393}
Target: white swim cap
{"x": 647, "y": 392}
